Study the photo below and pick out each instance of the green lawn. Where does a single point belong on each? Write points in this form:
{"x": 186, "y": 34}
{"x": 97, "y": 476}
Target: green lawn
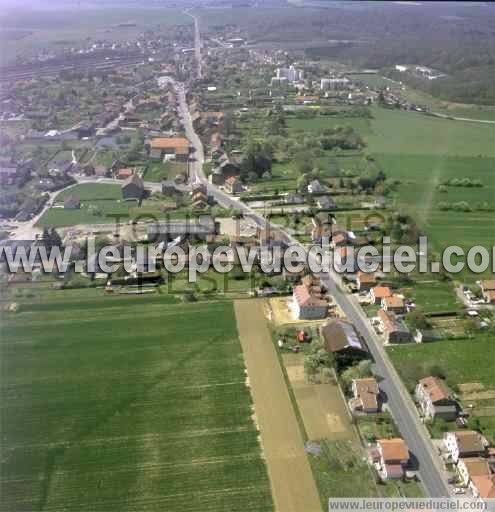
{"x": 101, "y": 203}
{"x": 127, "y": 403}
{"x": 340, "y": 472}
{"x": 159, "y": 171}
{"x": 465, "y": 360}
{"x": 90, "y": 191}
{"x": 433, "y": 296}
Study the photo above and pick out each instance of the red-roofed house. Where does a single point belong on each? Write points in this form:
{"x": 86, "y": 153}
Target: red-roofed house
{"x": 483, "y": 486}
{"x": 177, "y": 146}
{"x": 307, "y": 306}
{"x": 394, "y": 457}
{"x": 472, "y": 467}
{"x": 435, "y": 399}
{"x": 394, "y": 304}
{"x": 378, "y": 293}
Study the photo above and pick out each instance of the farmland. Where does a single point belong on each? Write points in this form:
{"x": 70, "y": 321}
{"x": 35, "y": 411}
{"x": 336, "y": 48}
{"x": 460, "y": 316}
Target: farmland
{"x": 114, "y": 403}
{"x": 399, "y": 132}
{"x": 101, "y": 204}
{"x": 424, "y": 152}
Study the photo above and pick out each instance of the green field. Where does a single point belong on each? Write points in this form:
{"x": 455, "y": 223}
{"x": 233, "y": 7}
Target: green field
{"x": 405, "y": 133}
{"x": 102, "y": 203}
{"x": 126, "y": 403}
{"x": 159, "y": 171}
{"x": 319, "y": 123}
{"x": 422, "y": 152}
{"x": 461, "y": 361}
{"x": 433, "y": 296}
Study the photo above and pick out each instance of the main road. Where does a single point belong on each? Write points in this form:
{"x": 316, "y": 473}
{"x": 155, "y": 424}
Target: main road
{"x": 400, "y": 404}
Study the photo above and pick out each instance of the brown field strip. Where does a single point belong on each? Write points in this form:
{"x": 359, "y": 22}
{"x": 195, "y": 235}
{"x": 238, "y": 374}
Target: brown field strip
{"x": 322, "y": 408}
{"x": 291, "y": 479}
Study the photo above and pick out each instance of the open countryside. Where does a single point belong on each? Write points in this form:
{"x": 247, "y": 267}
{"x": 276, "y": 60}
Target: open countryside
{"x": 198, "y": 126}
{"x": 162, "y": 382}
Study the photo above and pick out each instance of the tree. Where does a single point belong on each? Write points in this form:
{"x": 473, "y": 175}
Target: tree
{"x": 417, "y": 319}
{"x": 304, "y": 162}
{"x": 256, "y": 160}
{"x": 357, "y": 371}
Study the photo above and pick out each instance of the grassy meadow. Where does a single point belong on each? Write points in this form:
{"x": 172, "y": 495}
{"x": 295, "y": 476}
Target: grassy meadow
{"x": 158, "y": 171}
{"x": 126, "y": 403}
{"x": 101, "y": 203}
{"x": 460, "y": 360}
{"x": 423, "y": 152}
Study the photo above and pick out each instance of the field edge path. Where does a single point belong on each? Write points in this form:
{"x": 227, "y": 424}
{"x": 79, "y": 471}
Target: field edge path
{"x": 291, "y": 478}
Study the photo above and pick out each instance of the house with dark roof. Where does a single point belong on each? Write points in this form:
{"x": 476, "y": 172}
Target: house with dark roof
{"x": 170, "y": 188}
{"x": 435, "y": 399}
{"x": 326, "y": 203}
{"x": 365, "y": 281}
{"x": 133, "y": 188}
{"x": 315, "y": 187}
{"x": 72, "y": 203}
{"x": 341, "y": 339}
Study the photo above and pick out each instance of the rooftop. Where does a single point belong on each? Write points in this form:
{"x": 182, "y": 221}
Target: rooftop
{"x": 436, "y": 388}
{"x": 394, "y": 449}
{"x": 169, "y": 143}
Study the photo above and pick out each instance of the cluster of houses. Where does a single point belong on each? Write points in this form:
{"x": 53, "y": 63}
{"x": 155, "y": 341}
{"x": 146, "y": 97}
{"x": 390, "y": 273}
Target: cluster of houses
{"x": 389, "y": 321}
{"x": 468, "y": 450}
{"x": 390, "y": 456}
{"x": 474, "y": 461}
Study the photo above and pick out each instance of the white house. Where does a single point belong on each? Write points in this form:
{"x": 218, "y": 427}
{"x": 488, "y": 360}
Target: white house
{"x": 472, "y": 467}
{"x": 465, "y": 444}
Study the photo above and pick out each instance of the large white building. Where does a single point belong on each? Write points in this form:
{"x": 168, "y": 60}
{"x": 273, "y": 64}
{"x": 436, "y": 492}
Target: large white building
{"x": 335, "y": 84}
{"x": 291, "y": 73}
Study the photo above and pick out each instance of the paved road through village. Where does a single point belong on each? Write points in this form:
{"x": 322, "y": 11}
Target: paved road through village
{"x": 400, "y": 403}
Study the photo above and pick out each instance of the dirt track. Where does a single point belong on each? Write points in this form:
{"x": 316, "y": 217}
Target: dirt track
{"x": 292, "y": 482}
